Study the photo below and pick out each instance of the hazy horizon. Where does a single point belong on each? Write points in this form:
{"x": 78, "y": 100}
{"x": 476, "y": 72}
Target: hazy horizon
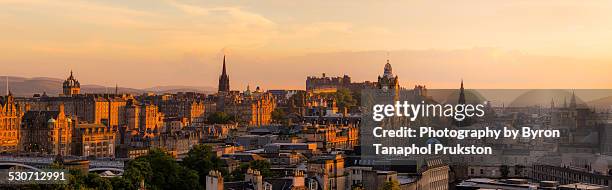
{"x": 276, "y": 44}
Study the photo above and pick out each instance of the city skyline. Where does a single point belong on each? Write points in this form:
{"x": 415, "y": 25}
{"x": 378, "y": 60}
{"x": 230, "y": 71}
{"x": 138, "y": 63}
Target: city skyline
{"x": 534, "y": 45}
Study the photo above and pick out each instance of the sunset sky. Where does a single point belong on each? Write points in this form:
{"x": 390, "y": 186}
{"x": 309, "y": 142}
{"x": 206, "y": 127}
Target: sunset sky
{"x": 277, "y": 44}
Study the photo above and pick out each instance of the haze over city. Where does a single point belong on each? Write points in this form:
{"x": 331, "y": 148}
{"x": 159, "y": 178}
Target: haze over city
{"x": 276, "y": 44}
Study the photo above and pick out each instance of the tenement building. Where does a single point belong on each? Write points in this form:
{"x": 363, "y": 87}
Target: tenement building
{"x": 144, "y": 118}
{"x": 107, "y": 109}
{"x": 191, "y": 106}
{"x": 10, "y": 120}
{"x": 249, "y": 108}
{"x": 94, "y": 140}
{"x": 47, "y": 132}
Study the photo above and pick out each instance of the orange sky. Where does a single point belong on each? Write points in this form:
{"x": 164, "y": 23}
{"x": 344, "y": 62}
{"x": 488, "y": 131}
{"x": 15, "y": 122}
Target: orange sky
{"x": 276, "y": 44}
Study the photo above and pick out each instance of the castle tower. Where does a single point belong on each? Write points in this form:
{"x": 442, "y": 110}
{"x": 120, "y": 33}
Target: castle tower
{"x": 71, "y": 86}
{"x": 389, "y": 82}
{"x": 224, "y": 79}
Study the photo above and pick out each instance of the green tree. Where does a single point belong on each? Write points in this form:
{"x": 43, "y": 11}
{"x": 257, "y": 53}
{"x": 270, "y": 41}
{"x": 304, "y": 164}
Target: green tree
{"x": 262, "y": 165}
{"x": 391, "y": 185}
{"x": 161, "y": 172}
{"x": 504, "y": 171}
{"x": 202, "y": 159}
{"x": 220, "y": 118}
{"x": 94, "y": 181}
{"x": 137, "y": 170}
{"x": 79, "y": 180}
{"x": 279, "y": 116}
{"x": 120, "y": 183}
{"x": 344, "y": 99}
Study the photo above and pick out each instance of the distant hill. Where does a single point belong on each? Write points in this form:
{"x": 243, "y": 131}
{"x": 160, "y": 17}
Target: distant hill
{"x": 605, "y": 103}
{"x": 26, "y": 87}
{"x": 180, "y": 88}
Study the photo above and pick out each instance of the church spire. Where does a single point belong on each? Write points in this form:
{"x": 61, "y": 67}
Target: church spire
{"x": 461, "y": 94}
{"x": 223, "y": 72}
{"x": 573, "y": 100}
{"x": 224, "y": 79}
{"x": 552, "y": 103}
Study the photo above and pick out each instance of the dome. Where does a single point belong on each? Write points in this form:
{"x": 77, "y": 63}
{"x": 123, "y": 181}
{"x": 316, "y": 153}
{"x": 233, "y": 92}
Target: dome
{"x": 51, "y": 120}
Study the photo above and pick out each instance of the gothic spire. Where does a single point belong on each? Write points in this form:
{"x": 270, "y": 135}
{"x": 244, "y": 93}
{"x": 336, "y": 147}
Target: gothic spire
{"x": 224, "y": 79}
{"x": 552, "y": 103}
{"x": 223, "y": 72}
{"x": 573, "y": 100}
{"x": 461, "y": 94}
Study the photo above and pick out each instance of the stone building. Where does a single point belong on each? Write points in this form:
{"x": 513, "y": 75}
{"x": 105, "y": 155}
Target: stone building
{"x": 144, "y": 118}
{"x": 329, "y": 171}
{"x": 331, "y": 137}
{"x": 183, "y": 105}
{"x": 10, "y": 121}
{"x": 47, "y": 132}
{"x": 177, "y": 143}
{"x": 434, "y": 175}
{"x": 93, "y": 140}
{"x": 249, "y": 108}
{"x": 107, "y": 109}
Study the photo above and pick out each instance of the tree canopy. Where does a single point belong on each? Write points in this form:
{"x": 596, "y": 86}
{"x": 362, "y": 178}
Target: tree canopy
{"x": 220, "y": 118}
{"x": 202, "y": 159}
{"x": 160, "y": 171}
